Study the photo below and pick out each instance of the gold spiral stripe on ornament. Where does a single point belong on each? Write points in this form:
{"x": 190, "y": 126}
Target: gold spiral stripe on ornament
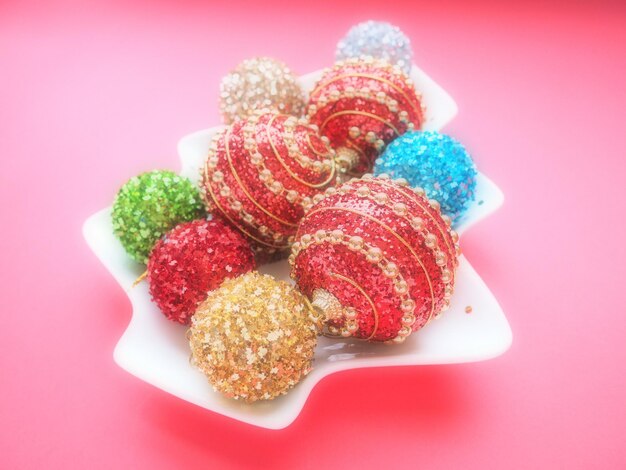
{"x": 371, "y": 77}
{"x": 286, "y": 167}
{"x": 317, "y": 152}
{"x": 359, "y": 113}
{"x": 353, "y": 283}
{"x": 397, "y": 236}
{"x": 352, "y": 144}
{"x": 414, "y": 198}
{"x": 230, "y": 219}
{"x": 243, "y": 188}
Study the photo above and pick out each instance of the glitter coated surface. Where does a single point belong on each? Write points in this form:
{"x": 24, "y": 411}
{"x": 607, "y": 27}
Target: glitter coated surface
{"x": 361, "y": 105}
{"x": 377, "y": 39}
{"x": 262, "y": 173}
{"x": 253, "y": 338}
{"x": 149, "y": 205}
{"x": 384, "y": 251}
{"x": 436, "y": 162}
{"x": 193, "y": 259}
{"x": 261, "y": 82}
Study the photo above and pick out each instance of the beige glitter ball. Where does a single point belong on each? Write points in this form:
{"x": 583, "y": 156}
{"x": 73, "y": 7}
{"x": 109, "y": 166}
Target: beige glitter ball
{"x": 254, "y": 337}
{"x": 261, "y": 82}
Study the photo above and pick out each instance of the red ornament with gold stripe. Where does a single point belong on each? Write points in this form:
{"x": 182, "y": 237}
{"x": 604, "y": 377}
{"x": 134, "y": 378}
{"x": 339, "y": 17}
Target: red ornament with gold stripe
{"x": 361, "y": 105}
{"x": 262, "y": 173}
{"x": 377, "y": 258}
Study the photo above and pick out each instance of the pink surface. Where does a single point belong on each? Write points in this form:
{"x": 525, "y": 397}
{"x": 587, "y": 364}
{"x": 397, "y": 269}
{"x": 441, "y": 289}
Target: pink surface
{"x": 90, "y": 95}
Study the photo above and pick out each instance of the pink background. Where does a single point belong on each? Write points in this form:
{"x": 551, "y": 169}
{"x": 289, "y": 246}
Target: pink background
{"x": 91, "y": 95}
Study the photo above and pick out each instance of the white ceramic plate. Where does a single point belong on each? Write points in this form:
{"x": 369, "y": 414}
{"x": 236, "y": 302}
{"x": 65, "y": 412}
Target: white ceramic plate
{"x": 155, "y": 349}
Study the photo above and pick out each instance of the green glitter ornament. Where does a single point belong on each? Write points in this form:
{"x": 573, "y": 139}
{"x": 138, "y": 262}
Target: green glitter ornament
{"x": 151, "y": 204}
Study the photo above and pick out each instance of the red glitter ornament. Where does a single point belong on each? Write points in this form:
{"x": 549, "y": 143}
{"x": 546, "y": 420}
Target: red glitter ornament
{"x": 377, "y": 257}
{"x": 193, "y": 259}
{"x": 361, "y": 105}
{"x": 263, "y": 172}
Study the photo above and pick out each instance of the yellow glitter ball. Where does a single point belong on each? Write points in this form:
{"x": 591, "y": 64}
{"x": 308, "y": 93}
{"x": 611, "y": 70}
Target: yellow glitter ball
{"x": 254, "y": 337}
{"x": 260, "y": 83}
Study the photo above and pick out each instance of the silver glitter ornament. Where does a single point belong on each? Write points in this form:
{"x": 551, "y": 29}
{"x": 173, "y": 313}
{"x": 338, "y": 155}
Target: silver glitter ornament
{"x": 377, "y": 39}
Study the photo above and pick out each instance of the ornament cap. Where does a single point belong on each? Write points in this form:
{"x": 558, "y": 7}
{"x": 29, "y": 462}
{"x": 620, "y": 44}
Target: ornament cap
{"x": 346, "y": 159}
{"x": 326, "y": 305}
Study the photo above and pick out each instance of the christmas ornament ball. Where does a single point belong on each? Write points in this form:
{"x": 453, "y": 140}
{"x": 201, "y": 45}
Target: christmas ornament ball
{"x": 262, "y": 173}
{"x": 260, "y": 82}
{"x": 377, "y": 258}
{"x": 193, "y": 259}
{"x": 150, "y": 204}
{"x": 377, "y": 39}
{"x": 435, "y": 162}
{"x": 254, "y": 337}
{"x": 360, "y": 105}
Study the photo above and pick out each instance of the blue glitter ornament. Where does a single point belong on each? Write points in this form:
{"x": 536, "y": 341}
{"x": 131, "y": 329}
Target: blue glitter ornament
{"x": 435, "y": 162}
{"x": 379, "y": 40}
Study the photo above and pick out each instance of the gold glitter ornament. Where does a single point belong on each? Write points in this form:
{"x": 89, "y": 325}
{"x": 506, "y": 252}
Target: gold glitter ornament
{"x": 254, "y": 337}
{"x": 260, "y": 82}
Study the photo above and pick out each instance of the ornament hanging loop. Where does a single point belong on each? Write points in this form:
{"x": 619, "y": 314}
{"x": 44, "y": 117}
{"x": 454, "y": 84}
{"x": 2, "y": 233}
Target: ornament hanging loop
{"x": 325, "y": 307}
{"x": 141, "y": 277}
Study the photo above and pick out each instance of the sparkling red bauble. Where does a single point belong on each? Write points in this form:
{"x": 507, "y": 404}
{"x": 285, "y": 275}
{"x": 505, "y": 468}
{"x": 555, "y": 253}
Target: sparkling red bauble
{"x": 378, "y": 256}
{"x": 193, "y": 259}
{"x": 263, "y": 172}
{"x": 361, "y": 105}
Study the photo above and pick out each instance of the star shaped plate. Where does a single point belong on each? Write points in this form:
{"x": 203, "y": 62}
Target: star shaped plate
{"x": 156, "y": 351}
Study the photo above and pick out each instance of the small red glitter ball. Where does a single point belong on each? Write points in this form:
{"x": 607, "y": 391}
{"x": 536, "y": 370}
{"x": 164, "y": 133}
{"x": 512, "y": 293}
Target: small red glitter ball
{"x": 263, "y": 172}
{"x": 377, "y": 257}
{"x": 361, "y": 105}
{"x": 193, "y": 259}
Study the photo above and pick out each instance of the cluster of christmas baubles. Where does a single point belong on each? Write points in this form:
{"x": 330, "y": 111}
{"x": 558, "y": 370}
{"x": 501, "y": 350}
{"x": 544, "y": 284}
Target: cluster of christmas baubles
{"x": 342, "y": 180}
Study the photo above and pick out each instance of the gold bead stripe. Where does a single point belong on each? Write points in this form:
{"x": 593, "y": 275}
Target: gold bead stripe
{"x": 286, "y": 167}
{"x": 398, "y": 237}
{"x": 317, "y": 152}
{"x": 230, "y": 219}
{"x": 245, "y": 190}
{"x": 304, "y": 161}
{"x": 410, "y": 194}
{"x": 449, "y": 284}
{"x": 334, "y": 96}
{"x": 413, "y": 197}
{"x": 364, "y": 294}
{"x": 375, "y": 78}
{"x": 451, "y": 254}
{"x": 423, "y": 234}
{"x": 359, "y": 113}
{"x": 261, "y": 167}
{"x": 452, "y": 250}
{"x": 289, "y": 140}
